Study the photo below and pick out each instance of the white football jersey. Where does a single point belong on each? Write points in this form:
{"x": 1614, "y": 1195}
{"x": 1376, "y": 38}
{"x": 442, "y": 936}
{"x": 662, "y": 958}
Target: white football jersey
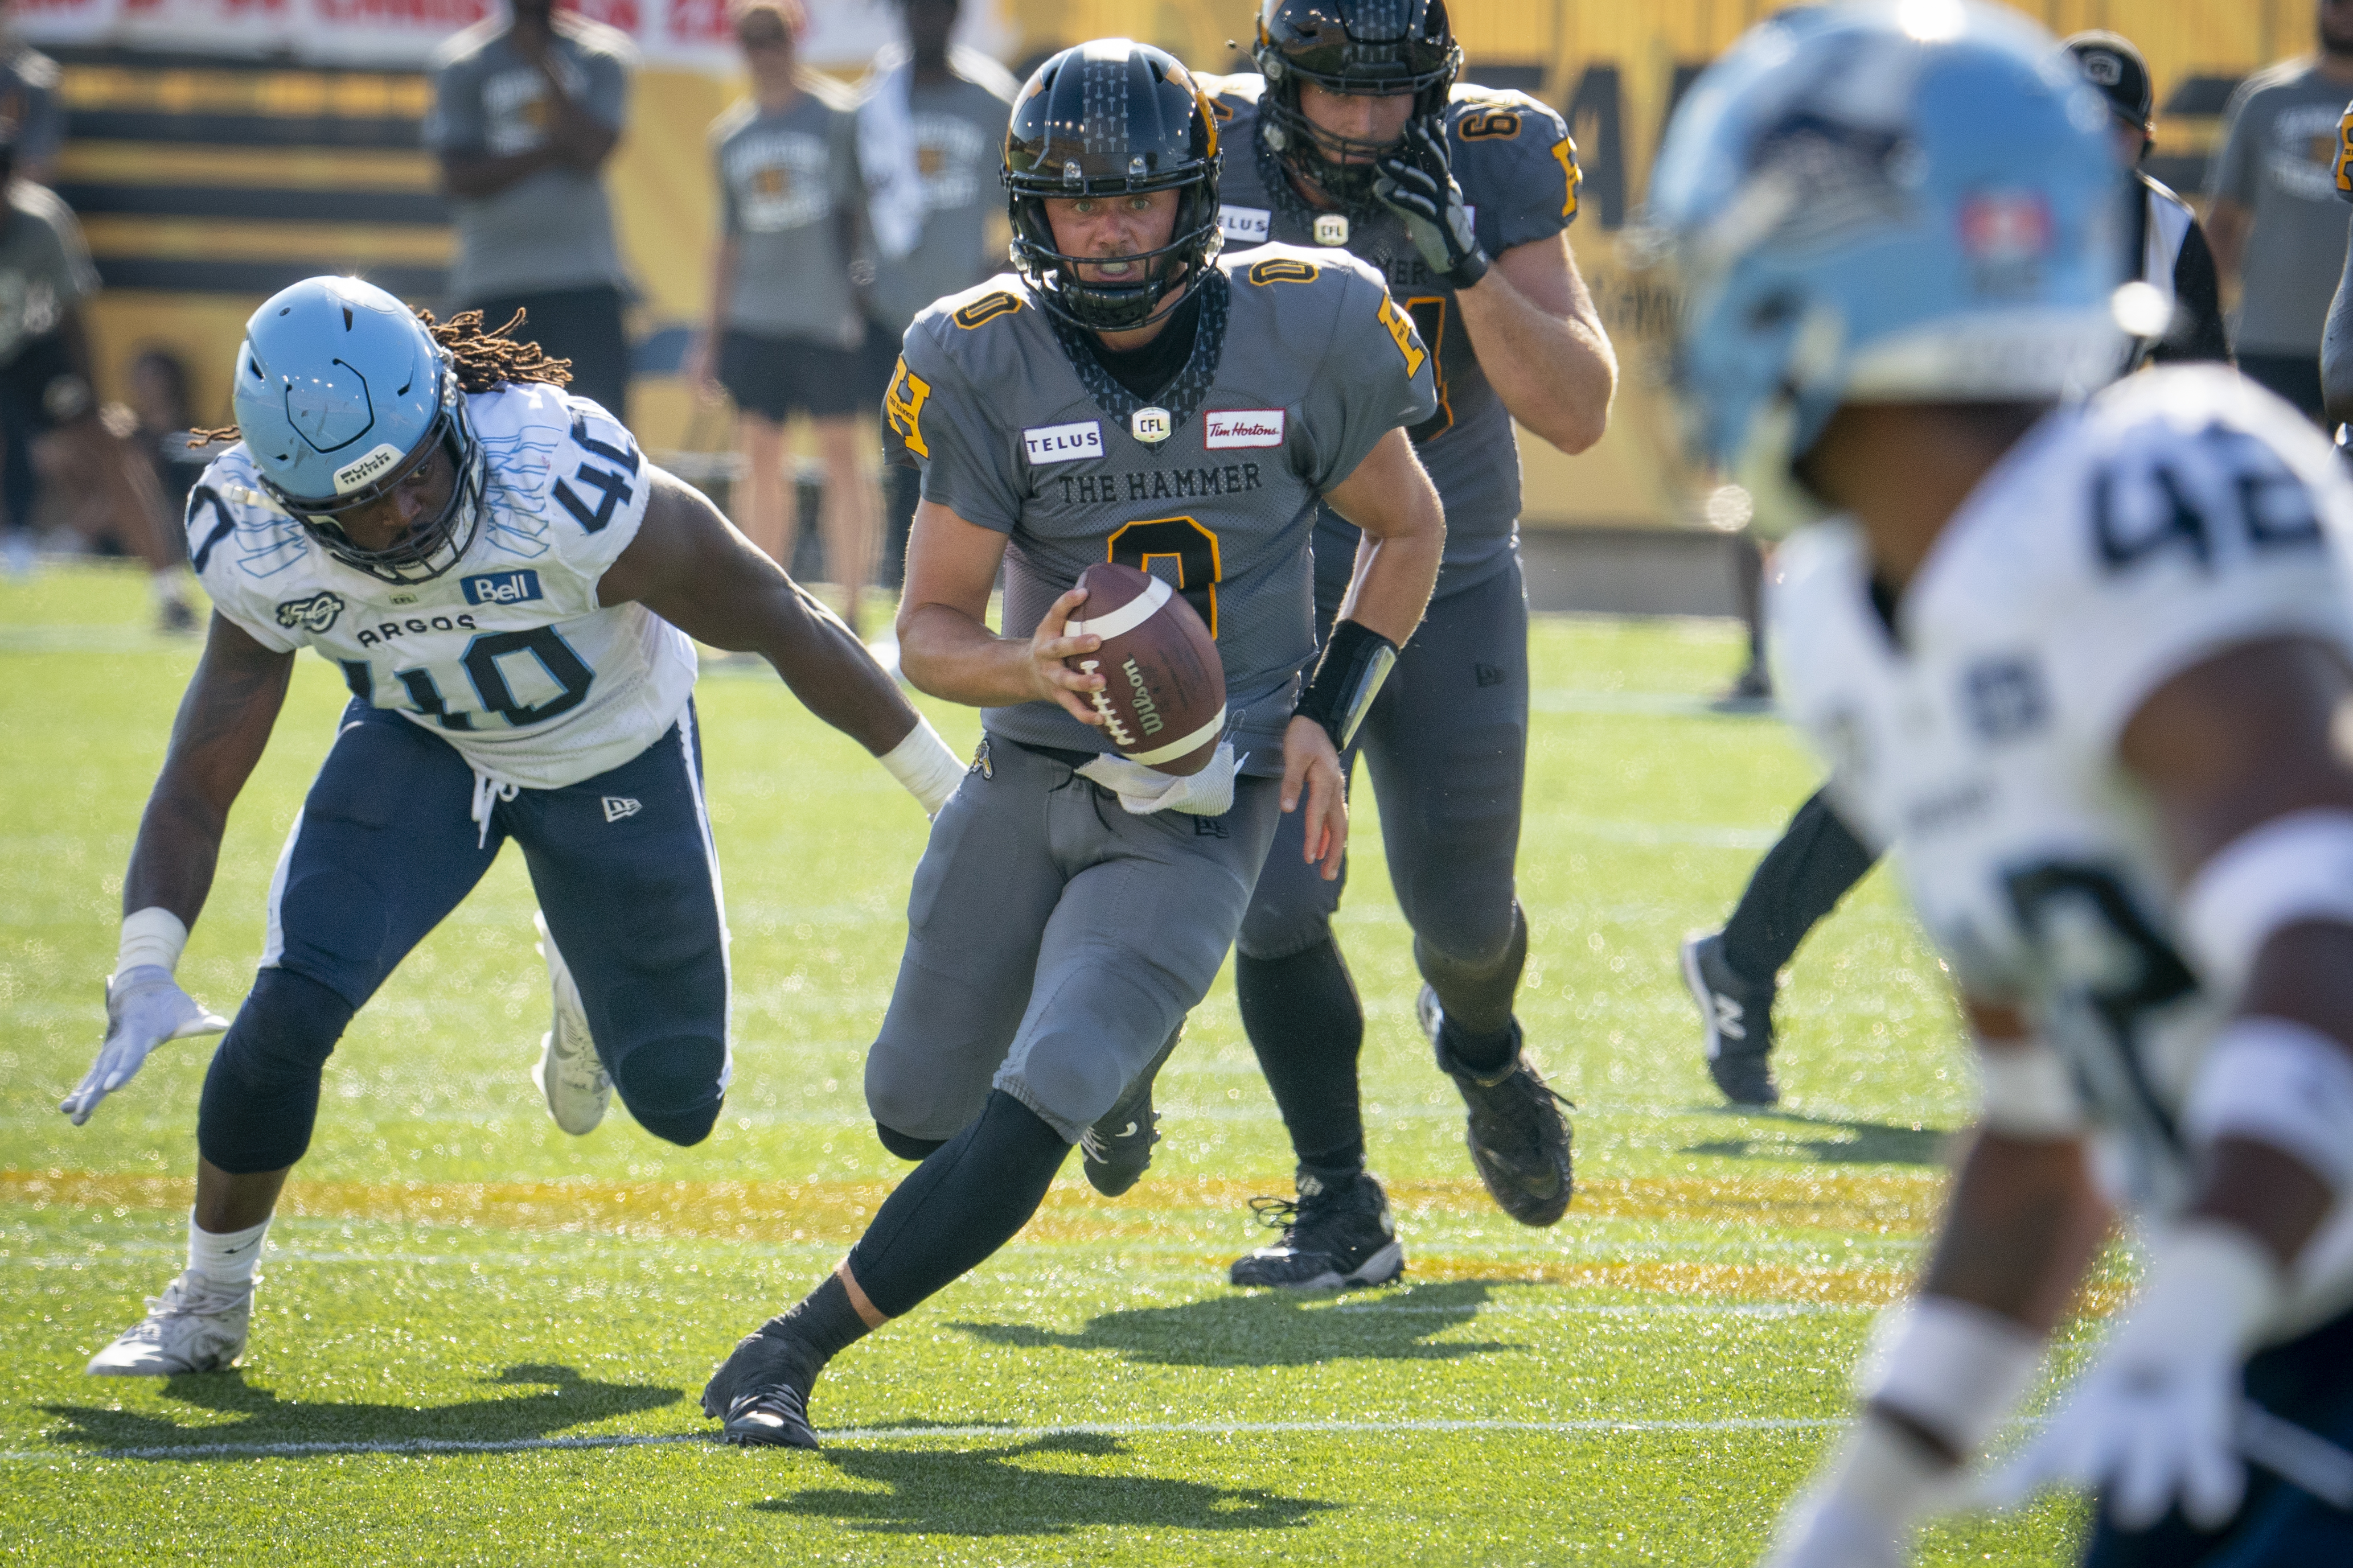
{"x": 2118, "y": 544}
{"x": 507, "y": 656}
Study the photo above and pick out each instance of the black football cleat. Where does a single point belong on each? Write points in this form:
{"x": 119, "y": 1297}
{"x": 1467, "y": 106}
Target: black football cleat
{"x": 1738, "y": 1016}
{"x": 774, "y": 1417}
{"x": 1117, "y": 1149}
{"x": 1518, "y": 1138}
{"x": 1333, "y": 1238}
{"x": 761, "y": 1391}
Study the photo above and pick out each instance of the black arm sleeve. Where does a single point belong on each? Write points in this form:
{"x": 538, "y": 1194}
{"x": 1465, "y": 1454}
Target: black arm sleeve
{"x": 2199, "y": 332}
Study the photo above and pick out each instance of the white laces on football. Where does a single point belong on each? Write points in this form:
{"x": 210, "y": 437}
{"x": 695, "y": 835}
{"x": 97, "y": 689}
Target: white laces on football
{"x": 488, "y": 793}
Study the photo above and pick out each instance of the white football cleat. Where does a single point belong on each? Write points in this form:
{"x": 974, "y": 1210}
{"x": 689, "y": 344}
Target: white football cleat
{"x": 194, "y": 1326}
{"x": 570, "y": 1073}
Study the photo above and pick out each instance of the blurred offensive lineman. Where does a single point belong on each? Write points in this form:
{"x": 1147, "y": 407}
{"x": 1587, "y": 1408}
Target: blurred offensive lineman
{"x": 1357, "y": 137}
{"x": 2080, "y": 662}
{"x": 508, "y": 587}
{"x": 1122, "y": 396}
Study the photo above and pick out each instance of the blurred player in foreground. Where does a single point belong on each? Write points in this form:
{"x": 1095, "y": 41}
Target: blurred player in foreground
{"x": 2082, "y": 664}
{"x": 1357, "y": 137}
{"x": 508, "y": 587}
{"x": 1074, "y": 905}
{"x": 1734, "y": 973}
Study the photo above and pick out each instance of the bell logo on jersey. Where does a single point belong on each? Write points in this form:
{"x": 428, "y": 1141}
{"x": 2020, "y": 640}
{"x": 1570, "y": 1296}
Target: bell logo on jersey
{"x": 313, "y": 615}
{"x": 1243, "y": 427}
{"x": 502, "y": 587}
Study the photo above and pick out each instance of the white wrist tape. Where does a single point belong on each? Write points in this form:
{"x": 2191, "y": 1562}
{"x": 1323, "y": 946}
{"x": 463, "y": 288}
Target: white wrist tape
{"x": 2294, "y": 868}
{"x": 153, "y": 935}
{"x": 2282, "y": 1084}
{"x": 923, "y": 763}
{"x": 2207, "y": 1281}
{"x": 1956, "y": 1369}
{"x": 2029, "y": 1090}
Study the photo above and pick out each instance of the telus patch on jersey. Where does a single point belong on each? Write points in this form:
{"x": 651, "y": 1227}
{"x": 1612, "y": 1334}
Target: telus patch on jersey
{"x": 502, "y": 587}
{"x": 1244, "y": 226}
{"x": 1063, "y": 443}
{"x": 1243, "y": 427}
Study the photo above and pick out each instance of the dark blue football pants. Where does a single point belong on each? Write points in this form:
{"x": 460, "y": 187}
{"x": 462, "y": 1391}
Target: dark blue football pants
{"x": 386, "y": 844}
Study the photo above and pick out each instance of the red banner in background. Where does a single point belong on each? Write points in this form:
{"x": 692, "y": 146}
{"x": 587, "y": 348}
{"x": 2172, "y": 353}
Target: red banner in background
{"x": 690, "y": 34}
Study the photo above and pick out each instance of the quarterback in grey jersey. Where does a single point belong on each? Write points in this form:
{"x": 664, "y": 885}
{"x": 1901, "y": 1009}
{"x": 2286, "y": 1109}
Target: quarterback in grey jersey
{"x": 1125, "y": 395}
{"x": 2084, "y": 663}
{"x": 1357, "y": 138}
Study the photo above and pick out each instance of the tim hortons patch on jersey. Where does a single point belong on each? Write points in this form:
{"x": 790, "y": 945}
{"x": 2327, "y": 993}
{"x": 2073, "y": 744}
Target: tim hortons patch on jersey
{"x": 1063, "y": 443}
{"x": 1242, "y": 427}
{"x": 1164, "y": 697}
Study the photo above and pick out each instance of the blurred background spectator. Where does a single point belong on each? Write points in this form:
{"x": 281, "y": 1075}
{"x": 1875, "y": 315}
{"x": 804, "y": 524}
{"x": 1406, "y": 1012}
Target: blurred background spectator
{"x": 158, "y": 420}
{"x": 2276, "y": 226}
{"x": 525, "y": 116}
{"x": 783, "y": 334}
{"x": 47, "y": 397}
{"x": 30, "y": 115}
{"x": 931, "y": 137}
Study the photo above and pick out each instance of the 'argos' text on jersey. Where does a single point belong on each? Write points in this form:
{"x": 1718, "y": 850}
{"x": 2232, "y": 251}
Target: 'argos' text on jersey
{"x": 415, "y": 626}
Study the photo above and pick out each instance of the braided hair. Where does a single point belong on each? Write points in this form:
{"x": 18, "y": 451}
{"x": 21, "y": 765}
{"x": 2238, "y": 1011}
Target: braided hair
{"x": 484, "y": 361}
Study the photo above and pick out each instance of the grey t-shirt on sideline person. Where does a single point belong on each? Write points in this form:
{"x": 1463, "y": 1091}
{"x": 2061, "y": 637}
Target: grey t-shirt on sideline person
{"x": 789, "y": 192}
{"x": 959, "y": 129}
{"x": 2278, "y": 158}
{"x": 45, "y": 268}
{"x": 552, "y": 229}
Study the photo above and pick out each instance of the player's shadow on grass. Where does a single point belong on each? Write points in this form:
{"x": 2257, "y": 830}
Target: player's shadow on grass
{"x": 567, "y": 1399}
{"x": 1847, "y": 1143}
{"x": 982, "y": 1492}
{"x": 1275, "y": 1328}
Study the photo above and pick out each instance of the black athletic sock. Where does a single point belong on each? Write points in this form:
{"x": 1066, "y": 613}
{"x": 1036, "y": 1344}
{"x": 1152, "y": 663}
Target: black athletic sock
{"x": 791, "y": 1348}
{"x": 1800, "y": 879}
{"x": 823, "y": 1322}
{"x": 1307, "y": 1028}
{"x": 963, "y": 1203}
{"x": 1477, "y": 999}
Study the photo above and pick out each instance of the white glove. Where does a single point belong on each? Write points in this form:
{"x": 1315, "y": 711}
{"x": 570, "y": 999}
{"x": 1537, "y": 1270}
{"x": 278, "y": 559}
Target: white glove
{"x": 144, "y": 1007}
{"x": 1862, "y": 1506}
{"x": 1143, "y": 791}
{"x": 2154, "y": 1419}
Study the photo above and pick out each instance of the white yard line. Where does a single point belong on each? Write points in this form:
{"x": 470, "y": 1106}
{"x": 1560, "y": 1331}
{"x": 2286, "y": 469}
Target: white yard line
{"x": 927, "y": 1434}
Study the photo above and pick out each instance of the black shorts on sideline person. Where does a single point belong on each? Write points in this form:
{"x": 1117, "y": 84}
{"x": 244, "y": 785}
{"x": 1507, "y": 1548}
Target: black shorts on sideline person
{"x": 774, "y": 378}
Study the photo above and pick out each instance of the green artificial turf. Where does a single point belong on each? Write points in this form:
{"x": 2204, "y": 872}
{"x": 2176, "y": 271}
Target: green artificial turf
{"x": 454, "y": 1285}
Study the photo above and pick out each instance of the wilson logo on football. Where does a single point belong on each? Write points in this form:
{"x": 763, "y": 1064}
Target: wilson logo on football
{"x": 1243, "y": 427}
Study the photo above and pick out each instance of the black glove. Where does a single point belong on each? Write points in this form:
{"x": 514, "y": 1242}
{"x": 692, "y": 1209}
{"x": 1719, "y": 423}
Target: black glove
{"x": 1416, "y": 182}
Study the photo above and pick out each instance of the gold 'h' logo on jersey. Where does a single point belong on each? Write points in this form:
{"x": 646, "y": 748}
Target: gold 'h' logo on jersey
{"x": 902, "y": 405}
{"x": 1401, "y": 330}
{"x": 2345, "y": 152}
{"x": 1565, "y": 152}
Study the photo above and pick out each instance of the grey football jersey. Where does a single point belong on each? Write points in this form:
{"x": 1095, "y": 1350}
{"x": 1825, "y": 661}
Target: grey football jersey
{"x": 1300, "y": 365}
{"x": 1517, "y": 168}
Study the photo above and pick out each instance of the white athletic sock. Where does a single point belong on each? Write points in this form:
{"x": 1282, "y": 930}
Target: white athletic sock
{"x": 227, "y": 1259}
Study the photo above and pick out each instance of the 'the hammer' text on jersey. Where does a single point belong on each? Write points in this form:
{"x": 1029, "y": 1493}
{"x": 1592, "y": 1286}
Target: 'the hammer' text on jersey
{"x": 508, "y": 657}
{"x": 2115, "y": 546}
{"x": 1517, "y": 168}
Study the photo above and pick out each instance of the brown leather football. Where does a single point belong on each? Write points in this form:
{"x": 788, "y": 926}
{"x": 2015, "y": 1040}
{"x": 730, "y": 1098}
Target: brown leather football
{"x": 1164, "y": 697}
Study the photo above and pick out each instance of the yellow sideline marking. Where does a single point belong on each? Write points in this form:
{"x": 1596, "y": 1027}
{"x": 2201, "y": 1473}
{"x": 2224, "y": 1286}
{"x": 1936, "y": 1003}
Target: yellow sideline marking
{"x": 170, "y": 163}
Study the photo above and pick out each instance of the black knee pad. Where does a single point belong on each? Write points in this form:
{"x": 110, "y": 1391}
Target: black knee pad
{"x": 671, "y": 1086}
{"x": 906, "y": 1145}
{"x": 261, "y": 1093}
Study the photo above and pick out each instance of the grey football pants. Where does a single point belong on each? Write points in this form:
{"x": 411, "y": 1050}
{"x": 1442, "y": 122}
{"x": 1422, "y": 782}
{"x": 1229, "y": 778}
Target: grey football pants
{"x": 1446, "y": 745}
{"x": 1054, "y": 941}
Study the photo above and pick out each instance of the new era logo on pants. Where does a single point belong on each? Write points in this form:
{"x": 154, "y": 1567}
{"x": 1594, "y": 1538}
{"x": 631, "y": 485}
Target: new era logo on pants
{"x": 617, "y": 806}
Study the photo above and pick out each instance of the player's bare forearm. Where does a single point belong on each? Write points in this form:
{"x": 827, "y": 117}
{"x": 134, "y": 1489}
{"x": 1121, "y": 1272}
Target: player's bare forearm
{"x": 1391, "y": 499}
{"x": 2023, "y": 1224}
{"x": 1541, "y": 342}
{"x": 223, "y": 727}
{"x": 689, "y": 566}
{"x": 945, "y": 644}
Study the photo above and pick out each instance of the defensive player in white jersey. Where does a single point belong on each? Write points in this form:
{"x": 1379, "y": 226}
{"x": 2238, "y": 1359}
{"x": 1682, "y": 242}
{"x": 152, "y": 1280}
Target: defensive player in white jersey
{"x": 508, "y": 587}
{"x": 2083, "y": 663}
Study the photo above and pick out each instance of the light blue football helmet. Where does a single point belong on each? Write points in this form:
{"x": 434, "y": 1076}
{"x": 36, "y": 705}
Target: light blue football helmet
{"x": 341, "y": 391}
{"x": 1893, "y": 200}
